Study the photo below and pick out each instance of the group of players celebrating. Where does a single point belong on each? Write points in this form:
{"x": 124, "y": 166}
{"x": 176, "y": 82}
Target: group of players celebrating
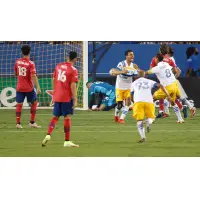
{"x": 139, "y": 91}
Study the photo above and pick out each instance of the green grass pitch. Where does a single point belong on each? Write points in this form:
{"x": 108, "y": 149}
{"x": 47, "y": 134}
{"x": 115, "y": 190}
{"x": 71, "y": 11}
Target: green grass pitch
{"x": 98, "y": 135}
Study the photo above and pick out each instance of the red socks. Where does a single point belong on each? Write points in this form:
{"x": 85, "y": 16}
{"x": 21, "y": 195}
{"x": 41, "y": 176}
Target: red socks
{"x": 33, "y": 111}
{"x": 179, "y": 104}
{"x": 67, "y": 125}
{"x": 52, "y": 125}
{"x": 161, "y": 105}
{"x": 18, "y": 112}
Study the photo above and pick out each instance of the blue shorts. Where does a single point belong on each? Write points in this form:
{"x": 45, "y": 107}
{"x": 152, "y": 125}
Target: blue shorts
{"x": 110, "y": 100}
{"x": 63, "y": 108}
{"x": 31, "y": 96}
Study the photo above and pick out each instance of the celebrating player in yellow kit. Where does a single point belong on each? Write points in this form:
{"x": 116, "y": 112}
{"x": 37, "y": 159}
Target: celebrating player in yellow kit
{"x": 143, "y": 102}
{"x": 125, "y": 71}
{"x": 167, "y": 78}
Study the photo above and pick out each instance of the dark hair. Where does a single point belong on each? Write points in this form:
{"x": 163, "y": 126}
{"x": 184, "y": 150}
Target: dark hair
{"x": 190, "y": 51}
{"x": 72, "y": 55}
{"x": 159, "y": 56}
{"x": 170, "y": 51}
{"x": 127, "y": 51}
{"x": 26, "y": 50}
{"x": 88, "y": 82}
{"x": 163, "y": 49}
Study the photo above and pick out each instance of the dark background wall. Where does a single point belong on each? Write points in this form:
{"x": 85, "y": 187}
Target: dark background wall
{"x": 143, "y": 55}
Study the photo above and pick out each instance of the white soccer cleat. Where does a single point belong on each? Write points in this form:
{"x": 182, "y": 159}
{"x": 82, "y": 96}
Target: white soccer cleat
{"x": 45, "y": 141}
{"x": 34, "y": 125}
{"x": 70, "y": 144}
{"x": 180, "y": 122}
{"x": 19, "y": 126}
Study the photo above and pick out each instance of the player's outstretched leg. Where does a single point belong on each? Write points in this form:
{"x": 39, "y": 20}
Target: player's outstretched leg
{"x": 149, "y": 121}
{"x": 117, "y": 110}
{"x": 178, "y": 113}
{"x": 166, "y": 109}
{"x": 125, "y": 111}
{"x": 18, "y": 115}
{"x": 67, "y": 126}
{"x": 141, "y": 131}
{"x": 50, "y": 130}
{"x": 32, "y": 123}
{"x": 161, "y": 108}
{"x": 192, "y": 108}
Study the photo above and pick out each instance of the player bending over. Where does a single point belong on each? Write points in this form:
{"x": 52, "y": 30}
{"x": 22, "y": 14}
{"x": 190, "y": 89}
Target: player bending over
{"x": 166, "y": 77}
{"x": 125, "y": 71}
{"x": 26, "y": 79}
{"x": 143, "y": 102}
{"x": 65, "y": 97}
{"x": 105, "y": 89}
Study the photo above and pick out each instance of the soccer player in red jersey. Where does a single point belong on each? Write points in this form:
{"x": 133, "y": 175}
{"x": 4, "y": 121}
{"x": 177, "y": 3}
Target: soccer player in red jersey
{"x": 164, "y": 52}
{"x": 65, "y": 97}
{"x": 26, "y": 77}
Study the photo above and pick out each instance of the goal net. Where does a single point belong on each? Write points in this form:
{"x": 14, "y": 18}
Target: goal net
{"x": 45, "y": 55}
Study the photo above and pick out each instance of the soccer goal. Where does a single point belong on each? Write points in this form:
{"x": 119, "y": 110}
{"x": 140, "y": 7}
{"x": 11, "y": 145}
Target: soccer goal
{"x": 45, "y": 55}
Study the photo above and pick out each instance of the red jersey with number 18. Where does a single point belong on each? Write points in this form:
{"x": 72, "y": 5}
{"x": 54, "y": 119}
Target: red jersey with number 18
{"x": 24, "y": 69}
{"x": 64, "y": 75}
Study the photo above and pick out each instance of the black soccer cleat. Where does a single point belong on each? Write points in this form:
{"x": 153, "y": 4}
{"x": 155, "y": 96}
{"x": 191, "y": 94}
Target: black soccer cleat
{"x": 185, "y": 112}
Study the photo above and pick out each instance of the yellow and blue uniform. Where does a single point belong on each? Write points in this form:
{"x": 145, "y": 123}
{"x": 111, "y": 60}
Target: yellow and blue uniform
{"x": 123, "y": 81}
{"x": 143, "y": 99}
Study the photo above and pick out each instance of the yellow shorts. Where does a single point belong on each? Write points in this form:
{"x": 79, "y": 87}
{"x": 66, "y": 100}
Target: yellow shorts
{"x": 121, "y": 95}
{"x": 172, "y": 90}
{"x": 178, "y": 94}
{"x": 142, "y": 110}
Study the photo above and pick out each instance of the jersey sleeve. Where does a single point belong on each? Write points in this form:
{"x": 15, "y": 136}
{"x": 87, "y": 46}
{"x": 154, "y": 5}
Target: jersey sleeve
{"x": 172, "y": 63}
{"x": 75, "y": 76}
{"x": 153, "y": 62}
{"x": 33, "y": 69}
{"x": 153, "y": 84}
{"x": 155, "y": 70}
{"x": 120, "y": 66}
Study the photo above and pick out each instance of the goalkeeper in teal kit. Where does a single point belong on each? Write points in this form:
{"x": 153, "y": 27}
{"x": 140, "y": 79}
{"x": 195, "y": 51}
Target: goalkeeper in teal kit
{"x": 106, "y": 93}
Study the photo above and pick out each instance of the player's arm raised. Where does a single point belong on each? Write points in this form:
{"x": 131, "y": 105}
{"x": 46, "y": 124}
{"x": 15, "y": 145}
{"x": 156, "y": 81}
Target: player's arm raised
{"x": 136, "y": 67}
{"x": 115, "y": 72}
{"x": 176, "y": 71}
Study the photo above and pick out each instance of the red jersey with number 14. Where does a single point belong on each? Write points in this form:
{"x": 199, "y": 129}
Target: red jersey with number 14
{"x": 64, "y": 75}
{"x": 24, "y": 69}
{"x": 166, "y": 59}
